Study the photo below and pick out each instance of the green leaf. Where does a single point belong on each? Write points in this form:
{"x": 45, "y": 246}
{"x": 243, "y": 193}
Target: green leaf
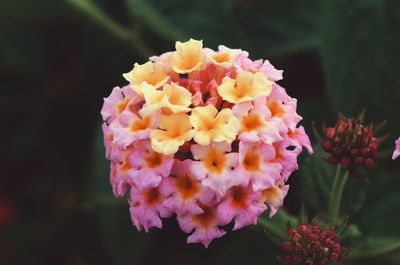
{"x": 147, "y": 12}
{"x": 359, "y": 51}
{"x": 374, "y": 246}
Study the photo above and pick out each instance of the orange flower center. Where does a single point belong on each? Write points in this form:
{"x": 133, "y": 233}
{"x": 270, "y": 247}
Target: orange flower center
{"x": 215, "y": 160}
{"x": 154, "y": 160}
{"x": 239, "y": 197}
{"x": 187, "y": 187}
{"x": 278, "y": 155}
{"x": 251, "y": 161}
{"x": 141, "y": 124}
{"x": 205, "y": 219}
{"x": 152, "y": 196}
{"x": 221, "y": 57}
{"x": 126, "y": 165}
{"x": 122, "y": 106}
{"x": 251, "y": 122}
{"x": 276, "y": 110}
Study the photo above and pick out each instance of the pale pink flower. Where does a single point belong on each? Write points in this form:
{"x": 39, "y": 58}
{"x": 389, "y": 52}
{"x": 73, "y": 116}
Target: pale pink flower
{"x": 121, "y": 169}
{"x": 287, "y": 158}
{"x": 283, "y": 107}
{"x": 117, "y": 102}
{"x": 273, "y": 197}
{"x": 205, "y": 224}
{"x": 218, "y": 168}
{"x": 396, "y": 153}
{"x": 150, "y": 166}
{"x": 183, "y": 191}
{"x": 112, "y": 150}
{"x": 299, "y": 138}
{"x": 242, "y": 204}
{"x": 129, "y": 127}
{"x": 245, "y": 64}
{"x": 254, "y": 159}
{"x": 257, "y": 123}
{"x": 146, "y": 207}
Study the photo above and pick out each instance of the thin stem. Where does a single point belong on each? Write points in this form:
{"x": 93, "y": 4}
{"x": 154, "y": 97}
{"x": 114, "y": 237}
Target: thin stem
{"x": 333, "y": 190}
{"x": 97, "y": 15}
{"x": 339, "y": 194}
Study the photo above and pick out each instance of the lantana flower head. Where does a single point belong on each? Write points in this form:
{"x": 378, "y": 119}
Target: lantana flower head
{"x": 206, "y": 136}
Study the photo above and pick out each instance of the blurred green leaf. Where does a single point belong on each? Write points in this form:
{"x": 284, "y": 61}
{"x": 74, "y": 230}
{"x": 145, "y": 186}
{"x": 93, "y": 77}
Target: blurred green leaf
{"x": 374, "y": 246}
{"x": 145, "y": 11}
{"x": 359, "y": 51}
{"x": 126, "y": 245}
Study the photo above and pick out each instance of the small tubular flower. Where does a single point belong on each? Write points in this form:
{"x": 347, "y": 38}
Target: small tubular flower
{"x": 184, "y": 191}
{"x": 218, "y": 168}
{"x": 225, "y": 56}
{"x": 396, "y": 152}
{"x": 188, "y": 57}
{"x": 255, "y": 160}
{"x": 247, "y": 86}
{"x": 150, "y": 166}
{"x": 129, "y": 127}
{"x": 209, "y": 125}
{"x": 257, "y": 124}
{"x": 117, "y": 102}
{"x": 205, "y": 224}
{"x": 241, "y": 203}
{"x": 175, "y": 130}
{"x": 150, "y": 73}
{"x": 205, "y": 136}
{"x": 146, "y": 207}
{"x": 273, "y": 197}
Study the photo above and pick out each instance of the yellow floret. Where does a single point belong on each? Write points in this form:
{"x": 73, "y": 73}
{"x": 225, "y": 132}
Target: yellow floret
{"x": 188, "y": 57}
{"x": 175, "y": 130}
{"x": 151, "y": 73}
{"x": 247, "y": 86}
{"x": 171, "y": 99}
{"x": 213, "y": 126}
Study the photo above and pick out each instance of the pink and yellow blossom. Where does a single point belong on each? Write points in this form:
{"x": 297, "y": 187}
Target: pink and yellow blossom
{"x": 205, "y": 136}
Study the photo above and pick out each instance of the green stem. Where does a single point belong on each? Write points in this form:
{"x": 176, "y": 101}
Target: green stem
{"x": 333, "y": 190}
{"x": 97, "y": 15}
{"x": 339, "y": 194}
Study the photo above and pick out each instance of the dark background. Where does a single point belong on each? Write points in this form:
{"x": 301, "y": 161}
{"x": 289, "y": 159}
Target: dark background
{"x": 58, "y": 59}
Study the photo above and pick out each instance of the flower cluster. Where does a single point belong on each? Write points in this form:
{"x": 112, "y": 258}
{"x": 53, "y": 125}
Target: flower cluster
{"x": 351, "y": 144}
{"x": 206, "y": 135}
{"x": 310, "y": 244}
{"x": 396, "y": 153}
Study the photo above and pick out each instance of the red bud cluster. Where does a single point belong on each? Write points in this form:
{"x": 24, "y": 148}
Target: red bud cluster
{"x": 351, "y": 144}
{"x": 310, "y": 244}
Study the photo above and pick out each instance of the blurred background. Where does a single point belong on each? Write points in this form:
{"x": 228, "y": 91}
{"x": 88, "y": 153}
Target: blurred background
{"x": 58, "y": 59}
